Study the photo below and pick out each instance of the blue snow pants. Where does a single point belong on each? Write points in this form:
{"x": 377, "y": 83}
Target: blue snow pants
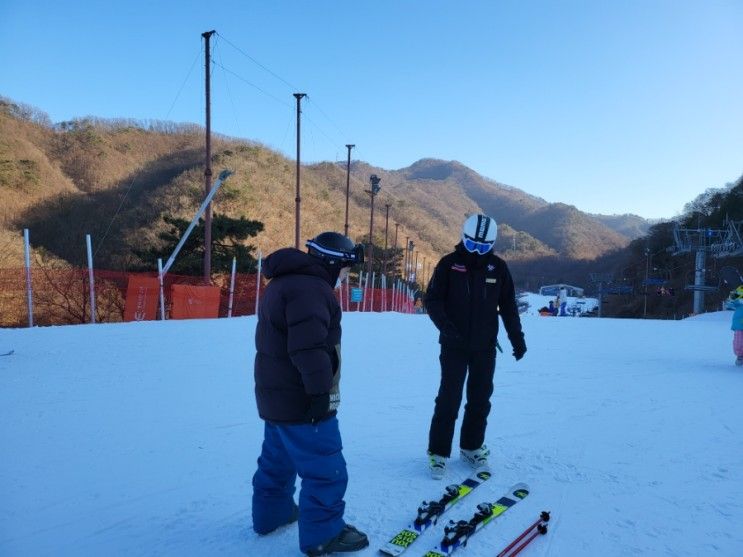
{"x": 313, "y": 452}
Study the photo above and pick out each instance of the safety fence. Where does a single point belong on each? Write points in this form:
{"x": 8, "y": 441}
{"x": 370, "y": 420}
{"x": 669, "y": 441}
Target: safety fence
{"x": 60, "y": 296}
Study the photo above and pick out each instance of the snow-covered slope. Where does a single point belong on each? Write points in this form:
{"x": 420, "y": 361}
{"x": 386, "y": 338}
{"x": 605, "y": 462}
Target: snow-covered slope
{"x": 141, "y": 439}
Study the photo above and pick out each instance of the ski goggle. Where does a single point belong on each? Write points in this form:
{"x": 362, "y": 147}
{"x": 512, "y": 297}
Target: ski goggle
{"x": 346, "y": 258}
{"x": 476, "y": 247}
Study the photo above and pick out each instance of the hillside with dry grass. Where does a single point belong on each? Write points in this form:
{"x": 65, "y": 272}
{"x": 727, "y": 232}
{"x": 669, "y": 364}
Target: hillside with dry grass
{"x": 116, "y": 180}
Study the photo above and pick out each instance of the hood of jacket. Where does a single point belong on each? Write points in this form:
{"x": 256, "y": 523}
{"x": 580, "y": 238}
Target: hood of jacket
{"x": 291, "y": 261}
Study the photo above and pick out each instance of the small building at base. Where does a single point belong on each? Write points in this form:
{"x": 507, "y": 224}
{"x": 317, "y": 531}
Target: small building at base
{"x": 557, "y": 289}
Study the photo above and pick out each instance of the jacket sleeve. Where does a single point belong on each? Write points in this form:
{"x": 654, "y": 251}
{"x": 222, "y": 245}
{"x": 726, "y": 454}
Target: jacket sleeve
{"x": 509, "y": 310}
{"x": 436, "y": 294}
{"x": 307, "y": 322}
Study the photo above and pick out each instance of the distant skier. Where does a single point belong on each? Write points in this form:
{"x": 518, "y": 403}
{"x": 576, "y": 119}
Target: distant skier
{"x": 469, "y": 289}
{"x": 735, "y": 302}
{"x": 563, "y": 302}
{"x": 297, "y": 374}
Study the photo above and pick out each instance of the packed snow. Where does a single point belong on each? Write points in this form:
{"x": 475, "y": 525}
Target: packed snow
{"x": 142, "y": 438}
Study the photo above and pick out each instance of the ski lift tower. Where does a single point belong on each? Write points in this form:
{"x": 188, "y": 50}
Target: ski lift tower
{"x": 700, "y": 241}
{"x": 731, "y": 243}
{"x": 602, "y": 280}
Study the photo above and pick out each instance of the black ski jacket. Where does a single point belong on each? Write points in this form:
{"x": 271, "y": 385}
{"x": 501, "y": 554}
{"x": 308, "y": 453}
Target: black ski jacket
{"x": 297, "y": 337}
{"x": 466, "y": 295}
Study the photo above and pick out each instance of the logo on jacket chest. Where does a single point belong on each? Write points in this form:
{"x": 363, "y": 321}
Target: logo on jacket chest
{"x": 459, "y": 268}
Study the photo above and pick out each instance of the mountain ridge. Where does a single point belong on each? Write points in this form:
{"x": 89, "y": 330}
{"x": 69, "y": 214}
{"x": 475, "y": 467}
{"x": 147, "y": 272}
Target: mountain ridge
{"x": 116, "y": 179}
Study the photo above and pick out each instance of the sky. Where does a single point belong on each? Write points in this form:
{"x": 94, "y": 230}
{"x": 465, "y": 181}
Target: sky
{"x": 629, "y": 431}
{"x": 614, "y": 107}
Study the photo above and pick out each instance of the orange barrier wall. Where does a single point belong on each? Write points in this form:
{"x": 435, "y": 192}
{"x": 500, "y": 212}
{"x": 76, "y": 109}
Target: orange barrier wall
{"x": 194, "y": 302}
{"x": 141, "y": 298}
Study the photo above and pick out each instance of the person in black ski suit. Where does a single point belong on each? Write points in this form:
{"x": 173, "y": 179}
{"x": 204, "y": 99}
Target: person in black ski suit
{"x": 469, "y": 289}
{"x": 297, "y": 373}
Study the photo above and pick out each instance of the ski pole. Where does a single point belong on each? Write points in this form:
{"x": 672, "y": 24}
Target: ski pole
{"x": 543, "y": 518}
{"x": 541, "y": 530}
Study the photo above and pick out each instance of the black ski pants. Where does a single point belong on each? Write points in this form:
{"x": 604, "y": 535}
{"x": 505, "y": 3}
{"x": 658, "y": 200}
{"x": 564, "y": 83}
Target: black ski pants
{"x": 455, "y": 363}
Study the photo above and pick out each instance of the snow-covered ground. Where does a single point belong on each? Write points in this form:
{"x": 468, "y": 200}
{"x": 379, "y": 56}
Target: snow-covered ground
{"x": 141, "y": 438}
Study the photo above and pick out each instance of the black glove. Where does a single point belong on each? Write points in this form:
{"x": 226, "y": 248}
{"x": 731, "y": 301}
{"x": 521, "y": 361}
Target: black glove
{"x": 519, "y": 350}
{"x": 450, "y": 331}
{"x": 319, "y": 407}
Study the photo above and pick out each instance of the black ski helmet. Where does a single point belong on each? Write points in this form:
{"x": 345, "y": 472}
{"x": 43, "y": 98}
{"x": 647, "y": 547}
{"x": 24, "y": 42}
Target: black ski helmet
{"x": 336, "y": 249}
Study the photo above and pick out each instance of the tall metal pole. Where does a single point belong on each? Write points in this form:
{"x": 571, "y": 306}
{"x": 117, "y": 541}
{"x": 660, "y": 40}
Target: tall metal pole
{"x": 348, "y": 184}
{"x": 297, "y": 199}
{"x": 375, "y": 187}
{"x": 405, "y": 260}
{"x": 371, "y": 231}
{"x": 208, "y": 170}
{"x": 647, "y": 268}
{"x": 700, "y": 263}
{"x": 91, "y": 278}
{"x": 397, "y": 225}
{"x": 415, "y": 268}
{"x": 29, "y": 286}
{"x": 386, "y": 227}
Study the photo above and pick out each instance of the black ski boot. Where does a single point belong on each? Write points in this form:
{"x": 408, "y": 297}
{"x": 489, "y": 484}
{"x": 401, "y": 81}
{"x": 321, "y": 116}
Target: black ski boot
{"x": 349, "y": 539}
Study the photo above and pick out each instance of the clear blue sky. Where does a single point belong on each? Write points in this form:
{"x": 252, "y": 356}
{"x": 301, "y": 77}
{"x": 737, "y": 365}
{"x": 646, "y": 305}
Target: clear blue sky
{"x": 612, "y": 106}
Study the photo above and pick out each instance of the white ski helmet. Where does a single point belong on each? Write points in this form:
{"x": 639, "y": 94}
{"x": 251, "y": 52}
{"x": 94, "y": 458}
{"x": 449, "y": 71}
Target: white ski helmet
{"x": 479, "y": 233}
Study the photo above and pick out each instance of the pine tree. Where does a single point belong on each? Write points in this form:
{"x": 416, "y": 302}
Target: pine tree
{"x": 228, "y": 235}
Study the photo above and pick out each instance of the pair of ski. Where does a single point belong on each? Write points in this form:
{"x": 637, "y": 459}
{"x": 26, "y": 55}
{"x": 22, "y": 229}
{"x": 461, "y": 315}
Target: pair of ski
{"x": 456, "y": 534}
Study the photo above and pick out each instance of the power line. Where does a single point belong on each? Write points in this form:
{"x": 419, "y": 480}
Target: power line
{"x": 256, "y": 62}
{"x": 188, "y": 75}
{"x": 229, "y": 93}
{"x": 317, "y": 106}
{"x": 334, "y": 142}
{"x": 238, "y": 76}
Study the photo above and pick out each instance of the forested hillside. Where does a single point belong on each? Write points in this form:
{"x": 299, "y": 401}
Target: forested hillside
{"x": 118, "y": 180}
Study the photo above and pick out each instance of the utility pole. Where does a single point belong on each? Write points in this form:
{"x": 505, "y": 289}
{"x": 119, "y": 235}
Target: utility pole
{"x": 394, "y": 249}
{"x": 348, "y": 184}
{"x": 405, "y": 259}
{"x": 297, "y": 199}
{"x": 386, "y": 227}
{"x": 208, "y": 170}
{"x": 647, "y": 268}
{"x": 375, "y": 187}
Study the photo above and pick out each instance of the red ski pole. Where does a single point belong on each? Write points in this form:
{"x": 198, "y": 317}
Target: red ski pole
{"x": 541, "y": 530}
{"x": 543, "y": 518}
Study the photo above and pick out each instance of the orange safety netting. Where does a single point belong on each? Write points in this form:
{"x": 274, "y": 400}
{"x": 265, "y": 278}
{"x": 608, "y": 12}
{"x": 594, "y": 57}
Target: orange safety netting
{"x": 62, "y": 296}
